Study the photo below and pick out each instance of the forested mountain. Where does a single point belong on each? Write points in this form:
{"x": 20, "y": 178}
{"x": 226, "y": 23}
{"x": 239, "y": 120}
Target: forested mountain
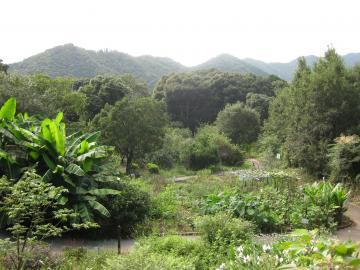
{"x": 229, "y": 63}
{"x": 286, "y": 70}
{"x": 69, "y": 60}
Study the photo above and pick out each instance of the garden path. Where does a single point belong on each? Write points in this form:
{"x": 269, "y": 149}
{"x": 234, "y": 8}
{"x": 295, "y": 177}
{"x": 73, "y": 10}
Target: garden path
{"x": 352, "y": 232}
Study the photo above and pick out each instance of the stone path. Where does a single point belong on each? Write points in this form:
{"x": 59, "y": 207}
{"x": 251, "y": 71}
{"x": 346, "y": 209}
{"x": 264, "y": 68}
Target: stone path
{"x": 353, "y": 232}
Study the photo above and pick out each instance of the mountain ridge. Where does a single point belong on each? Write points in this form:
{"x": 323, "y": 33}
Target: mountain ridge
{"x": 70, "y": 60}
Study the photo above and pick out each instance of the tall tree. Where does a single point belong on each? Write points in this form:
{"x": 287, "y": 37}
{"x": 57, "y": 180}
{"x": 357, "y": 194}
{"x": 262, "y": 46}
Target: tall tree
{"x": 319, "y": 105}
{"x": 135, "y": 126}
{"x": 240, "y": 123}
{"x": 196, "y": 97}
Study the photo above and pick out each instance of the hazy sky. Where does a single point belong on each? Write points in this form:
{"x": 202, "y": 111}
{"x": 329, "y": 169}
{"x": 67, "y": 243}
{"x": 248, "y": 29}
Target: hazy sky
{"x": 189, "y": 31}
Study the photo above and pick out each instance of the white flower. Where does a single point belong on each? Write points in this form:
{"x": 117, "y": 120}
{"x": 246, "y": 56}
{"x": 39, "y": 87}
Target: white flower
{"x": 240, "y": 249}
{"x": 305, "y": 221}
{"x": 221, "y": 267}
{"x": 266, "y": 248}
{"x": 247, "y": 259}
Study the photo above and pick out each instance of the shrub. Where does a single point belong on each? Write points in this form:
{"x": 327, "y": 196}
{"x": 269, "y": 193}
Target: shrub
{"x": 317, "y": 205}
{"x": 229, "y": 154}
{"x": 143, "y": 258}
{"x": 75, "y": 254}
{"x": 322, "y": 205}
{"x": 172, "y": 151}
{"x": 127, "y": 209}
{"x": 192, "y": 249}
{"x": 210, "y": 147}
{"x": 224, "y": 230}
{"x": 266, "y": 213}
{"x": 165, "y": 204}
{"x": 240, "y": 123}
{"x": 153, "y": 168}
{"x": 35, "y": 256}
{"x": 345, "y": 160}
{"x": 202, "y": 152}
{"x": 301, "y": 249}
{"x": 79, "y": 258}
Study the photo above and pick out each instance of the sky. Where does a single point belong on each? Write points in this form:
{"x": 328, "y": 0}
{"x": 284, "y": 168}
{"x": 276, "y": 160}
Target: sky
{"x": 188, "y": 31}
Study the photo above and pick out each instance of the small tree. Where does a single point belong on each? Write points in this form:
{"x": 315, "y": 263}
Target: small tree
{"x": 345, "y": 160}
{"x": 260, "y": 103}
{"x": 240, "y": 123}
{"x": 3, "y": 67}
{"x": 34, "y": 211}
{"x": 135, "y": 126}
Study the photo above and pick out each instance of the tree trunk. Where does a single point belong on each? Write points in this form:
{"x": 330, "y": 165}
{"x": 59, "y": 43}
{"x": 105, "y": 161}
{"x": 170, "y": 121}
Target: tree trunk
{"x": 129, "y": 159}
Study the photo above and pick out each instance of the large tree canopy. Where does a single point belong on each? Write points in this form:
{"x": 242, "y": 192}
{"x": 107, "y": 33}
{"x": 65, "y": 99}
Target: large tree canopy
{"x": 240, "y": 123}
{"x": 135, "y": 126}
{"x": 42, "y": 95}
{"x": 319, "y": 105}
{"x": 197, "y": 97}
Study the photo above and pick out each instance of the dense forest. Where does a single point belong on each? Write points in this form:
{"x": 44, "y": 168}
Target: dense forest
{"x": 69, "y": 60}
{"x": 228, "y": 155}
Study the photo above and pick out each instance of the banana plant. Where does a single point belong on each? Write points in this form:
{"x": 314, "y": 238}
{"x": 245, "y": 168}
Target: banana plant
{"x": 68, "y": 161}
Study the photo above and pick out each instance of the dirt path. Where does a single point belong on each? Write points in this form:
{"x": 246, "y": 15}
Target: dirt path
{"x": 353, "y": 232}
{"x": 256, "y": 163}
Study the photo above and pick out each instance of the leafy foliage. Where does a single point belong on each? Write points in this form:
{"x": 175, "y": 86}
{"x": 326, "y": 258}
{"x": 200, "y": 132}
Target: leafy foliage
{"x": 70, "y": 162}
{"x": 43, "y": 96}
{"x": 319, "y": 105}
{"x": 209, "y": 147}
{"x": 153, "y": 168}
{"x": 196, "y": 97}
{"x": 240, "y": 123}
{"x": 134, "y": 126}
{"x": 34, "y": 212}
{"x": 345, "y": 160}
{"x": 260, "y": 103}
{"x": 316, "y": 205}
{"x": 172, "y": 152}
{"x": 301, "y": 249}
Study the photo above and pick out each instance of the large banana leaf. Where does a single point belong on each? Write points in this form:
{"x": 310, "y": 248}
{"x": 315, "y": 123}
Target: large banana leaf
{"x": 84, "y": 212}
{"x": 103, "y": 192}
{"x": 98, "y": 152}
{"x": 8, "y": 110}
{"x": 76, "y": 139}
{"x": 75, "y": 169}
{"x": 100, "y": 208}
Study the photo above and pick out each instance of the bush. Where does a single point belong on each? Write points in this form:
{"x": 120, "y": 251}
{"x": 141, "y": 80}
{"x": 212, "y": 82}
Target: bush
{"x": 345, "y": 160}
{"x": 172, "y": 151}
{"x": 165, "y": 204}
{"x": 143, "y": 258}
{"x": 210, "y": 147}
{"x": 202, "y": 152}
{"x": 229, "y": 154}
{"x": 127, "y": 209}
{"x": 240, "y": 123}
{"x": 312, "y": 206}
{"x": 79, "y": 258}
{"x": 75, "y": 254}
{"x": 192, "y": 249}
{"x": 322, "y": 204}
{"x": 153, "y": 168}
{"x": 37, "y": 256}
{"x": 301, "y": 249}
{"x": 224, "y": 230}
